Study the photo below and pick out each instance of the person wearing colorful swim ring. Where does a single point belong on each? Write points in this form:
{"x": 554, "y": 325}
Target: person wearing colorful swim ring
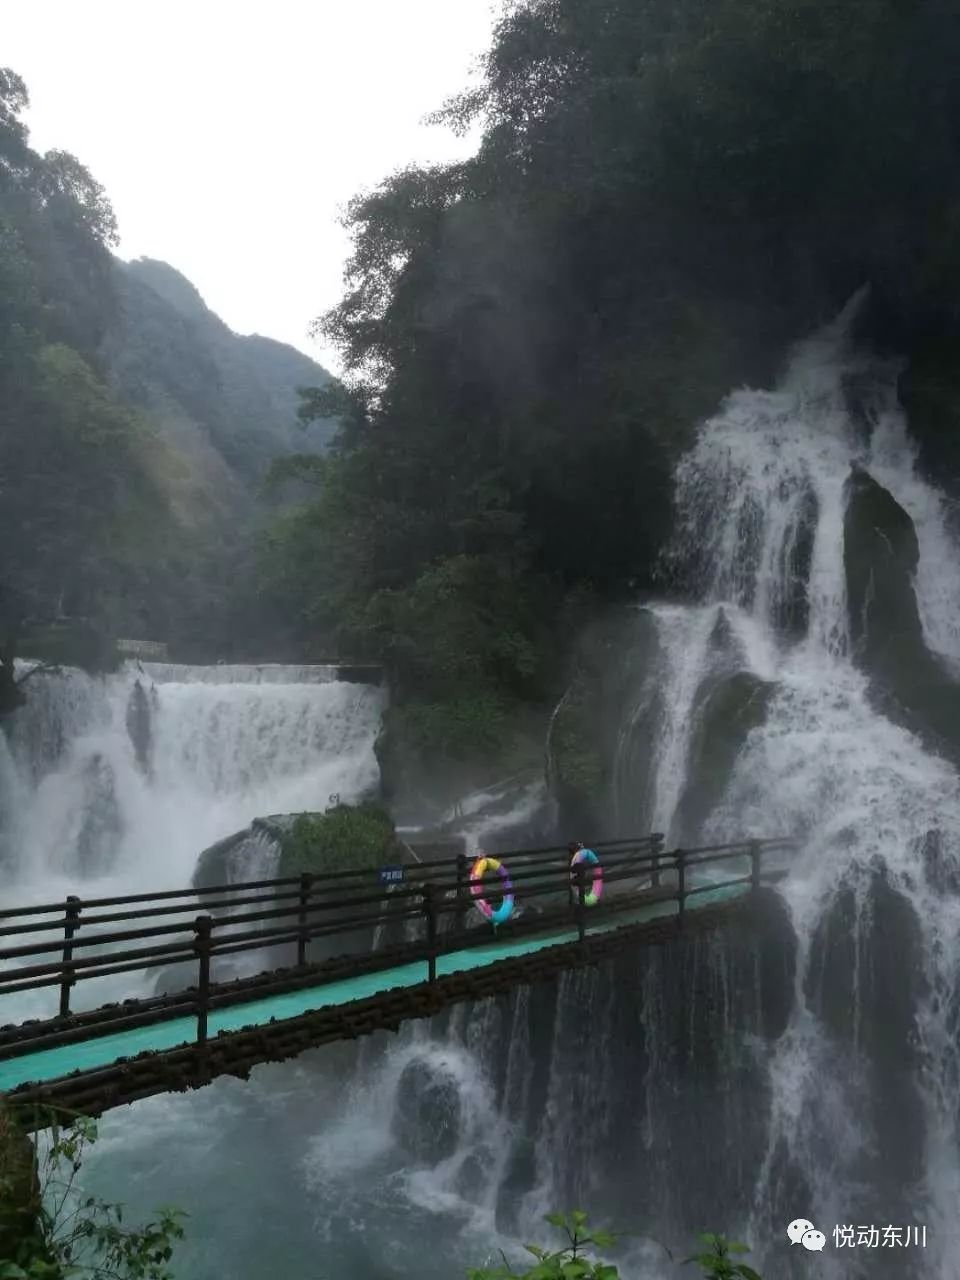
{"x": 479, "y": 869}
{"x": 590, "y": 859}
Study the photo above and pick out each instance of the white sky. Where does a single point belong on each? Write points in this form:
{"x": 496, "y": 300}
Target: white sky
{"x": 230, "y": 133}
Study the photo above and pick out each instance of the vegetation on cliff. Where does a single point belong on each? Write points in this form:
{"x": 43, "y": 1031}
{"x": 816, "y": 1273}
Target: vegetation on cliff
{"x": 135, "y": 427}
{"x": 664, "y": 196}
{"x": 75, "y": 462}
{"x": 344, "y": 838}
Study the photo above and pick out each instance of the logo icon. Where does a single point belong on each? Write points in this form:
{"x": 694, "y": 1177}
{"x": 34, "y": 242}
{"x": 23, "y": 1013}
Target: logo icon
{"x": 797, "y": 1228}
{"x": 802, "y": 1231}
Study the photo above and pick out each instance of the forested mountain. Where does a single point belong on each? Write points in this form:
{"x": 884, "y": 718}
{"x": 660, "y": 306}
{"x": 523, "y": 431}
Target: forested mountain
{"x": 229, "y": 402}
{"x": 666, "y": 194}
{"x": 135, "y": 429}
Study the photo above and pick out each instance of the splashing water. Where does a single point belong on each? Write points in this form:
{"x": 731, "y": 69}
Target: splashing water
{"x": 81, "y": 813}
{"x": 864, "y": 796}
{"x": 845, "y": 1110}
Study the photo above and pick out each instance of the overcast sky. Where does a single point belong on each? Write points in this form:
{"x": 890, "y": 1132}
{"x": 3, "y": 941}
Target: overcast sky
{"x": 229, "y": 133}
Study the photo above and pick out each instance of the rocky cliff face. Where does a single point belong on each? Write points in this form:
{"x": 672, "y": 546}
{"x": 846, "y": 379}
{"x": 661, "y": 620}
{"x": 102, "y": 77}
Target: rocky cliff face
{"x": 909, "y": 683}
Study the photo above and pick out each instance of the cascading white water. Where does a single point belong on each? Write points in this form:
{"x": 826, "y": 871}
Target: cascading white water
{"x": 221, "y": 746}
{"x": 532, "y": 1102}
{"x": 227, "y": 745}
{"x": 860, "y": 792}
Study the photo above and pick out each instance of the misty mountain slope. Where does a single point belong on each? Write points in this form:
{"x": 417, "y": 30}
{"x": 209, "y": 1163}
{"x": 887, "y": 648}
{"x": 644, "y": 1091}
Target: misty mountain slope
{"x": 227, "y": 402}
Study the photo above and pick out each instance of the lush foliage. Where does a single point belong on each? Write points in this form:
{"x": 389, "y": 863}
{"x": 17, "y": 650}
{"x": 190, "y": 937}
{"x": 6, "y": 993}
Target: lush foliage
{"x": 79, "y": 505}
{"x": 134, "y": 427}
{"x": 716, "y": 1258}
{"x": 345, "y": 838}
{"x": 73, "y": 1235}
{"x": 664, "y": 195}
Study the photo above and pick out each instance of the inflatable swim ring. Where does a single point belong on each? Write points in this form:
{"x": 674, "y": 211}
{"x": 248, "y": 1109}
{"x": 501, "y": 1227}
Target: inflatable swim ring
{"x": 588, "y": 857}
{"x": 479, "y": 869}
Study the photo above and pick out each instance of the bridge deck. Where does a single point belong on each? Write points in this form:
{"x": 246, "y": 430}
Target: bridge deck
{"x": 94, "y": 1060}
{"x": 48, "y": 1064}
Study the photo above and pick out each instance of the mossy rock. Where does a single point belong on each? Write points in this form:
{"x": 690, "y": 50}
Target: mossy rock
{"x": 345, "y": 838}
{"x": 19, "y": 1188}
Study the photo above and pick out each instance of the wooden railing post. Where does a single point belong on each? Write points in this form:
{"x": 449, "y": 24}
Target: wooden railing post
{"x": 681, "y": 857}
{"x": 656, "y": 854}
{"x": 463, "y": 888}
{"x": 754, "y": 865}
{"x": 581, "y": 900}
{"x": 71, "y": 925}
{"x": 430, "y": 911}
{"x": 656, "y": 849}
{"x": 202, "y": 926}
{"x": 306, "y": 885}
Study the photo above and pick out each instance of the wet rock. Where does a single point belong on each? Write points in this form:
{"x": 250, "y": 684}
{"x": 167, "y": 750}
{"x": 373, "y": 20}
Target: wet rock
{"x": 865, "y": 981}
{"x": 726, "y": 707}
{"x": 251, "y": 854}
{"x": 519, "y": 1179}
{"x": 940, "y": 868}
{"x": 791, "y": 614}
{"x": 139, "y": 726}
{"x": 427, "y": 1112}
{"x": 100, "y": 830}
{"x": 880, "y": 559}
{"x": 602, "y": 738}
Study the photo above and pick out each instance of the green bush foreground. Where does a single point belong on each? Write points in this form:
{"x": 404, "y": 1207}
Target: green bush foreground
{"x": 716, "y": 1258}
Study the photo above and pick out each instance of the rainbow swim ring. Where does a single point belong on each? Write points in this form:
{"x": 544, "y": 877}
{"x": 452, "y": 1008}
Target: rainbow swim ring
{"x": 479, "y": 869}
{"x": 596, "y": 887}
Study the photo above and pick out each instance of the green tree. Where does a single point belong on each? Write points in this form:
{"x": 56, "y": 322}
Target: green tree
{"x": 78, "y": 1236}
{"x": 664, "y": 195}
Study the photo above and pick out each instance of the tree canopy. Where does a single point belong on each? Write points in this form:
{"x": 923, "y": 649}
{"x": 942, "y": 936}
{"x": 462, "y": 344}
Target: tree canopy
{"x": 665, "y": 194}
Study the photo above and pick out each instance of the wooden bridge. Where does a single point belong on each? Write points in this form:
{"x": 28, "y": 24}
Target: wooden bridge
{"x": 411, "y": 938}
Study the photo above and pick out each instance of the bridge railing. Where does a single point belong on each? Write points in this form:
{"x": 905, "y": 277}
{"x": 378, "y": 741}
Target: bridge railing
{"x": 296, "y": 911}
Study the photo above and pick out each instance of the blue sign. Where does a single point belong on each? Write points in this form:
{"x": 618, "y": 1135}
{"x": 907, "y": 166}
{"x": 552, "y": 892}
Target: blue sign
{"x": 391, "y": 875}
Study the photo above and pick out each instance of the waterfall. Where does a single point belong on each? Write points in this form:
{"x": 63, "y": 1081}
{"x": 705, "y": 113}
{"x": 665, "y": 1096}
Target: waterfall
{"x": 864, "y": 1083}
{"x": 227, "y": 745}
{"x": 84, "y": 808}
{"x": 736, "y": 1082}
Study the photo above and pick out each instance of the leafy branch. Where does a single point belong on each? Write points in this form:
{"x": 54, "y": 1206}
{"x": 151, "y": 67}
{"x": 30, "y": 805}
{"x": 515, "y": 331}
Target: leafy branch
{"x": 83, "y": 1237}
{"x": 572, "y": 1263}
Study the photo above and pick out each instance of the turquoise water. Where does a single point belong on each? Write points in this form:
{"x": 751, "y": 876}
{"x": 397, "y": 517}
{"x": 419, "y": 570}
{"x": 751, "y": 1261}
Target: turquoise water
{"x": 50, "y": 1064}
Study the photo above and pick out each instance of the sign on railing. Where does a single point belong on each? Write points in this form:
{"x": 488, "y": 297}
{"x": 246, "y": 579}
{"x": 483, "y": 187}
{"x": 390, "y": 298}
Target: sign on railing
{"x": 391, "y": 875}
